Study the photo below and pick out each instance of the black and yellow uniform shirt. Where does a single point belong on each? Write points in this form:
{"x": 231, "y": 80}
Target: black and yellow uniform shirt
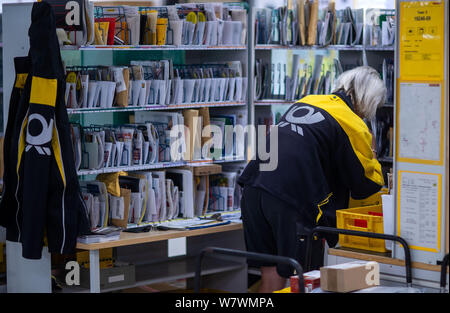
{"x": 324, "y": 154}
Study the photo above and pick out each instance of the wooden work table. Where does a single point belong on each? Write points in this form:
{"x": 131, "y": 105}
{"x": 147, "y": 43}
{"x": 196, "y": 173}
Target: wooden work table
{"x": 177, "y": 268}
{"x": 128, "y": 239}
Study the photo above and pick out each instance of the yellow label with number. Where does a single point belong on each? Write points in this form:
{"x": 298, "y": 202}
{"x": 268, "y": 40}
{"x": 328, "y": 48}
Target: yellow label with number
{"x": 422, "y": 32}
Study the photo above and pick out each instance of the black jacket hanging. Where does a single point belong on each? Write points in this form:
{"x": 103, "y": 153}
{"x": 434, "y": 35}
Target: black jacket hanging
{"x": 48, "y": 197}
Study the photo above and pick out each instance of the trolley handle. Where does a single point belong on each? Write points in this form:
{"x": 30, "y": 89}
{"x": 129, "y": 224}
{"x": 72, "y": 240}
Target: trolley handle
{"x": 249, "y": 255}
{"x": 444, "y": 266}
{"x": 331, "y": 230}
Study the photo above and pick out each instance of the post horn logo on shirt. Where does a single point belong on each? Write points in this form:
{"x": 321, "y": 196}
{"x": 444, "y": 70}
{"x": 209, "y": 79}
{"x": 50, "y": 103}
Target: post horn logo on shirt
{"x": 44, "y": 137}
{"x": 307, "y": 119}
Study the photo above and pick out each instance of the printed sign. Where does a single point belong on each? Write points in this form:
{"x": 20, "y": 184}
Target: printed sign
{"x": 422, "y": 31}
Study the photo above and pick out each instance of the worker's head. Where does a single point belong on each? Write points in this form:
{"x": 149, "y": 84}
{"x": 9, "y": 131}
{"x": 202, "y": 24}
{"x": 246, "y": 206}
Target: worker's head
{"x": 366, "y": 89}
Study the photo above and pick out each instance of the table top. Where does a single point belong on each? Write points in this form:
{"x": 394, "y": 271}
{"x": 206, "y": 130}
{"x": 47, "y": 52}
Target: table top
{"x": 128, "y": 239}
{"x": 381, "y": 259}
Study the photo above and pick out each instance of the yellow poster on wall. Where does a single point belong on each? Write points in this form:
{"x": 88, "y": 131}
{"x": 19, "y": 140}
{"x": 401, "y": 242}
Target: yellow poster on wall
{"x": 422, "y": 31}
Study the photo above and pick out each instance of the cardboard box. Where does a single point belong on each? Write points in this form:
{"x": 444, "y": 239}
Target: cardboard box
{"x": 209, "y": 169}
{"x": 118, "y": 276}
{"x": 311, "y": 280}
{"x": 349, "y": 277}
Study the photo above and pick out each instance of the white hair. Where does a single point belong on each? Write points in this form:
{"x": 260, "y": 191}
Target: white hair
{"x": 365, "y": 88}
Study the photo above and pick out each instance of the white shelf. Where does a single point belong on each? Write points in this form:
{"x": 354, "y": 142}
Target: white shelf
{"x": 152, "y": 48}
{"x": 315, "y": 47}
{"x": 330, "y": 47}
{"x": 154, "y": 166}
{"x": 154, "y": 107}
{"x": 268, "y": 102}
{"x": 171, "y": 270}
{"x": 381, "y": 48}
{"x": 131, "y": 168}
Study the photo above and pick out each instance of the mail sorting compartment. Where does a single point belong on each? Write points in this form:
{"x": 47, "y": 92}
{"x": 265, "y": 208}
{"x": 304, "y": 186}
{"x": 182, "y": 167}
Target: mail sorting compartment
{"x": 99, "y": 147}
{"x": 174, "y": 25}
{"x": 152, "y": 83}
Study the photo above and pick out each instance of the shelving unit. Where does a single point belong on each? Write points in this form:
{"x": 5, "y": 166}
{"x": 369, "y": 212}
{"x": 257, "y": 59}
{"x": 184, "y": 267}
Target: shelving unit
{"x": 155, "y": 108}
{"x": 108, "y": 55}
{"x": 170, "y": 270}
{"x": 155, "y": 48}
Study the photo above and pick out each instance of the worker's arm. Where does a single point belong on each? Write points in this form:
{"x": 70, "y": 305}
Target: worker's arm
{"x": 357, "y": 165}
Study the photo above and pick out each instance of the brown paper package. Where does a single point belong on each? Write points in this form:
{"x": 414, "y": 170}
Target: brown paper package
{"x": 312, "y": 28}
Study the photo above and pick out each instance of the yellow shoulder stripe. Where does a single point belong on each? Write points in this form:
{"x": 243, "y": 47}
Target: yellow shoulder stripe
{"x": 21, "y": 143}
{"x": 43, "y": 91}
{"x": 20, "y": 80}
{"x": 57, "y": 151}
{"x": 356, "y": 130}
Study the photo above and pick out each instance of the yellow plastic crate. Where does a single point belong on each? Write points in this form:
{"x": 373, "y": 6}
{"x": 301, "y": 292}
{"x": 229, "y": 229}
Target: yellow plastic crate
{"x": 374, "y": 199}
{"x": 362, "y": 219}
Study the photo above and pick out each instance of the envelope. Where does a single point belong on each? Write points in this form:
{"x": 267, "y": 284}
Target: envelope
{"x": 148, "y": 86}
{"x": 214, "y": 25}
{"x": 127, "y": 153}
{"x": 92, "y": 150}
{"x": 108, "y": 89}
{"x": 161, "y": 91}
{"x": 201, "y": 90}
{"x": 150, "y": 207}
{"x": 95, "y": 213}
{"x": 76, "y": 144}
{"x": 220, "y": 26}
{"x": 189, "y": 29}
{"x": 188, "y": 85}
{"x": 83, "y": 100}
{"x": 138, "y": 142}
{"x": 161, "y": 177}
{"x": 196, "y": 90}
{"x": 158, "y": 198}
{"x": 228, "y": 33}
{"x": 170, "y": 199}
{"x": 120, "y": 208}
{"x": 89, "y": 202}
{"x": 145, "y": 152}
{"x": 207, "y": 90}
{"x": 71, "y": 95}
{"x": 108, "y": 149}
{"x": 153, "y": 143}
{"x": 119, "y": 153}
{"x": 178, "y": 90}
{"x": 122, "y": 79}
{"x": 200, "y": 33}
{"x": 177, "y": 31}
{"x": 214, "y": 90}
{"x": 222, "y": 88}
{"x": 238, "y": 91}
{"x": 139, "y": 92}
{"x": 231, "y": 88}
{"x": 93, "y": 93}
